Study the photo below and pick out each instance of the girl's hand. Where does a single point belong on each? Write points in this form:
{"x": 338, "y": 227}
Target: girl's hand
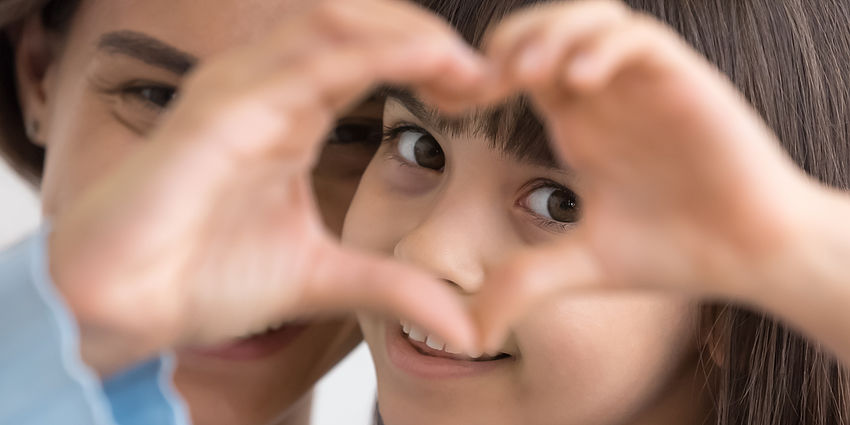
{"x": 210, "y": 231}
{"x": 683, "y": 187}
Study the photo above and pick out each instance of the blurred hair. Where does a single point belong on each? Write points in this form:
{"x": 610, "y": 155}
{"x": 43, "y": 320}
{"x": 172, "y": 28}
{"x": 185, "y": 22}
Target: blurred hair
{"x": 24, "y": 156}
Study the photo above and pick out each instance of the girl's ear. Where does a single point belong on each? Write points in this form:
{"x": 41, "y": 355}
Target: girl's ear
{"x": 34, "y": 62}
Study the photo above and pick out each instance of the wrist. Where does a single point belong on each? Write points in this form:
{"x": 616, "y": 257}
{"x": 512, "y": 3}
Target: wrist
{"x": 807, "y": 270}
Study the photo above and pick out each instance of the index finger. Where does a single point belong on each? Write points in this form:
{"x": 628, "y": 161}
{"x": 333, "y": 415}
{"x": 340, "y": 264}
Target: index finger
{"x": 344, "y": 280}
{"x": 527, "y": 280}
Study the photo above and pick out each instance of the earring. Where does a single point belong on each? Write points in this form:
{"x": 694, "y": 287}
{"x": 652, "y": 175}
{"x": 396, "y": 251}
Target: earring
{"x": 32, "y": 129}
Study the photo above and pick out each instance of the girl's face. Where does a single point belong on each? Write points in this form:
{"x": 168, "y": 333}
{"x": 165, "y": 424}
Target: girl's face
{"x": 440, "y": 195}
{"x": 120, "y": 65}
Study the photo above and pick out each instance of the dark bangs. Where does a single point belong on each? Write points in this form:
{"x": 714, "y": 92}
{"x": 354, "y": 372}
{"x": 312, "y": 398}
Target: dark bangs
{"x": 513, "y": 128}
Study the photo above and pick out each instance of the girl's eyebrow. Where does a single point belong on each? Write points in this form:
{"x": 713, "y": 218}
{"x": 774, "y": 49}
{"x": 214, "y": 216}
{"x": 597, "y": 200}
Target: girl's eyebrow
{"x": 421, "y": 111}
{"x": 512, "y": 130}
{"x": 148, "y": 50}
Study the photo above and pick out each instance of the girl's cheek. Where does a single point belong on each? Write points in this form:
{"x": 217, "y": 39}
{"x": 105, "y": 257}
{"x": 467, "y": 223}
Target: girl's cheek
{"x": 401, "y": 179}
{"x": 385, "y": 205}
{"x": 533, "y": 232}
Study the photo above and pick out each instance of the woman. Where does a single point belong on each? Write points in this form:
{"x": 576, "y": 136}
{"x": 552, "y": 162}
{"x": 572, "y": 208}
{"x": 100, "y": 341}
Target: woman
{"x": 88, "y": 82}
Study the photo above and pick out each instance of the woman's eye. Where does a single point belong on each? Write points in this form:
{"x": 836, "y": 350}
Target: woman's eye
{"x": 421, "y": 149}
{"x": 153, "y": 96}
{"x": 554, "y": 203}
{"x": 367, "y": 132}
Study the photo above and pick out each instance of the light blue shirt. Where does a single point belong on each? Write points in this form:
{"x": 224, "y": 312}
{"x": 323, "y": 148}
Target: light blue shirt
{"x": 43, "y": 380}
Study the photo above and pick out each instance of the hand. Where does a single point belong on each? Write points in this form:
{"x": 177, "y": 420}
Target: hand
{"x": 684, "y": 187}
{"x": 210, "y": 231}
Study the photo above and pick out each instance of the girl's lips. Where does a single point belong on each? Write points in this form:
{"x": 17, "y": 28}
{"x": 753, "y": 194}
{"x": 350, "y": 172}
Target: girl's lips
{"x": 256, "y": 347}
{"x": 417, "y": 359}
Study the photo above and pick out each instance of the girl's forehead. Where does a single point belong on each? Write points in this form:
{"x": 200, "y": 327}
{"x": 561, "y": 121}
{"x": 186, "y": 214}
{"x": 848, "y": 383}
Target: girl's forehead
{"x": 512, "y": 128}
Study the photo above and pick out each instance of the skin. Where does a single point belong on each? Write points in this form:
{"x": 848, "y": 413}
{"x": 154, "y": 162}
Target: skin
{"x": 617, "y": 90}
{"x": 285, "y": 96}
{"x": 89, "y": 128}
{"x": 100, "y": 109}
{"x": 609, "y": 84}
{"x": 237, "y": 391}
{"x": 460, "y": 223}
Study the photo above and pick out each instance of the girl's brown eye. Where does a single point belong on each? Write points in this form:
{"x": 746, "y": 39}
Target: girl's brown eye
{"x": 421, "y": 149}
{"x": 554, "y": 203}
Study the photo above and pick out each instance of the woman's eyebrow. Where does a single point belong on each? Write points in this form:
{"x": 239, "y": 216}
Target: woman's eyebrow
{"x": 523, "y": 140}
{"x": 148, "y": 50}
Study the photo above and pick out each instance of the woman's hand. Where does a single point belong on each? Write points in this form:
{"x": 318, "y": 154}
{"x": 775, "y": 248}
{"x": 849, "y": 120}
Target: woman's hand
{"x": 211, "y": 232}
{"x": 683, "y": 186}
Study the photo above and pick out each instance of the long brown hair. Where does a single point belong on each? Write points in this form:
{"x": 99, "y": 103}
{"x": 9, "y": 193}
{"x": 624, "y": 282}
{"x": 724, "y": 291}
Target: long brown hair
{"x": 790, "y": 58}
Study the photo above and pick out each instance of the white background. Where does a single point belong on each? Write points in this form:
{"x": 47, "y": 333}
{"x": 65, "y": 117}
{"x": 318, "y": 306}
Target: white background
{"x": 345, "y": 396}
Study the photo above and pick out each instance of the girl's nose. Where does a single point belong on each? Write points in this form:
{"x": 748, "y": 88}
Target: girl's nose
{"x": 439, "y": 247}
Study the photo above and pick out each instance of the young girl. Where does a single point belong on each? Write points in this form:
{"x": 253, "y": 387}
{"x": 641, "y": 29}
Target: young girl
{"x": 459, "y": 196}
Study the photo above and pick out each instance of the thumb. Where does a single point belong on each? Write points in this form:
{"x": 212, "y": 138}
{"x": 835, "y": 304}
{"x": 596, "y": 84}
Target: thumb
{"x": 345, "y": 280}
{"x": 529, "y": 278}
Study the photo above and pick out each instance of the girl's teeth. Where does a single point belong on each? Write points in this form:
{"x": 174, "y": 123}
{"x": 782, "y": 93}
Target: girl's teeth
{"x": 417, "y": 334}
{"x": 434, "y": 343}
{"x": 452, "y": 350}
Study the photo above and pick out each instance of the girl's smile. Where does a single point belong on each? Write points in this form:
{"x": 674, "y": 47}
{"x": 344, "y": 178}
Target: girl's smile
{"x": 413, "y": 351}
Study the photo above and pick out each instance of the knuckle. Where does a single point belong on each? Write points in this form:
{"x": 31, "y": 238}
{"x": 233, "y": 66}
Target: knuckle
{"x": 435, "y": 52}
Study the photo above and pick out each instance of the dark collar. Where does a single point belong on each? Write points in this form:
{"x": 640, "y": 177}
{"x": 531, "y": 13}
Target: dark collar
{"x": 378, "y": 419}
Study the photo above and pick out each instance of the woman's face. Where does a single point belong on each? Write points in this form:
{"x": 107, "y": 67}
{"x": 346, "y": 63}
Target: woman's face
{"x": 121, "y": 64}
{"x": 439, "y": 195}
